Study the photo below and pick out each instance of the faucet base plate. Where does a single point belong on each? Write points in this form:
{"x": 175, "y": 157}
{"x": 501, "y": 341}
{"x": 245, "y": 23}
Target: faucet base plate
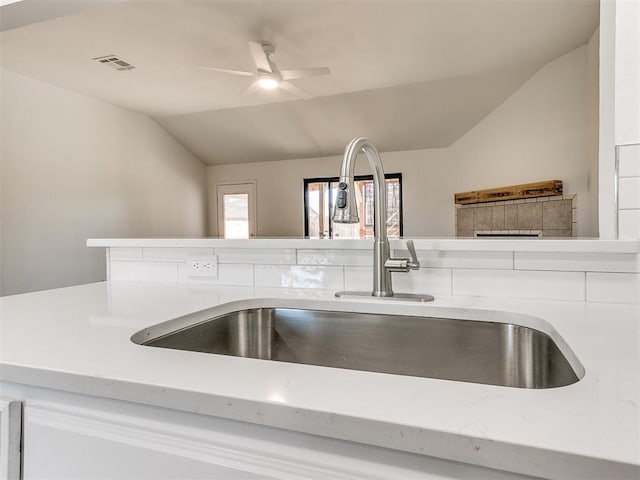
{"x": 398, "y": 297}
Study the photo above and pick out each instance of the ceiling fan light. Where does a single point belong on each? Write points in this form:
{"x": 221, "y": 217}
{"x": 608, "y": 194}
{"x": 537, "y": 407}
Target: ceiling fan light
{"x": 268, "y": 83}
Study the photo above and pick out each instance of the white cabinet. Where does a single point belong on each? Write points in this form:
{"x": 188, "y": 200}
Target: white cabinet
{"x": 10, "y": 438}
{"x": 59, "y": 446}
{"x": 67, "y": 441}
{"x": 75, "y": 436}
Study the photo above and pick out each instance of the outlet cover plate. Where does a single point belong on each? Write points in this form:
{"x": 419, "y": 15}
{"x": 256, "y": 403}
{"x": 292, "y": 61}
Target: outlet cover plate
{"x": 203, "y": 266}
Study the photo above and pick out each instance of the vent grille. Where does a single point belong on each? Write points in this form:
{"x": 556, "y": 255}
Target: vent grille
{"x": 114, "y": 62}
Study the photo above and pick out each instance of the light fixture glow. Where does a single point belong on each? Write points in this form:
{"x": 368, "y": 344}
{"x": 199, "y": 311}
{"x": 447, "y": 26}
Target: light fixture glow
{"x": 277, "y": 397}
{"x": 268, "y": 83}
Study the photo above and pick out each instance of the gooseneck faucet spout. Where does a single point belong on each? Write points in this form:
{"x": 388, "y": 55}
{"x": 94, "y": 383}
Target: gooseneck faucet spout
{"x": 346, "y": 211}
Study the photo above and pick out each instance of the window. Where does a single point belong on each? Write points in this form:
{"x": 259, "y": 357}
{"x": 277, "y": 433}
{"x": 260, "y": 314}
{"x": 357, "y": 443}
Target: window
{"x": 319, "y": 198}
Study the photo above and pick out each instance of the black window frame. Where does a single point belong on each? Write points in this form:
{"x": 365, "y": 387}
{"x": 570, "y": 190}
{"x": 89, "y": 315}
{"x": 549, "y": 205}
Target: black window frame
{"x": 356, "y": 178}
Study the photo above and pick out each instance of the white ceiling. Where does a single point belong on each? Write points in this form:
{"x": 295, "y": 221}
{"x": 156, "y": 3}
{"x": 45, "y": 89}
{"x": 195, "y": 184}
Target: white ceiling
{"x": 18, "y": 13}
{"x": 369, "y": 45}
{"x": 406, "y": 117}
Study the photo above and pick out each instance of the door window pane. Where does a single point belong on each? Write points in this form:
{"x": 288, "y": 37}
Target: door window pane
{"x": 236, "y": 215}
{"x": 394, "y": 211}
{"x": 318, "y": 211}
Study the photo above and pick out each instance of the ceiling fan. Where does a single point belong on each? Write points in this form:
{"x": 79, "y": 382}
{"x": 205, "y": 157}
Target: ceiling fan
{"x": 268, "y": 75}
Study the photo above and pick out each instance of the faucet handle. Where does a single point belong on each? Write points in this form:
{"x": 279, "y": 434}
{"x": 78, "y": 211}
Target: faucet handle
{"x": 414, "y": 264}
{"x": 404, "y": 264}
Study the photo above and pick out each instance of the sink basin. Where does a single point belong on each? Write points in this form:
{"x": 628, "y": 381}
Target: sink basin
{"x": 467, "y": 350}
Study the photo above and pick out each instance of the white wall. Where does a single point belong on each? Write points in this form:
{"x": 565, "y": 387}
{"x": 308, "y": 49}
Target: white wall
{"x": 627, "y": 72}
{"x": 73, "y": 167}
{"x": 280, "y": 186}
{"x": 627, "y": 116}
{"x": 539, "y": 133}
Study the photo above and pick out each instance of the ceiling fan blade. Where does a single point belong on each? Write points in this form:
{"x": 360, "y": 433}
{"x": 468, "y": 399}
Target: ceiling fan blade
{"x": 259, "y": 57}
{"x": 251, "y": 89}
{"x": 304, "y": 73}
{"x": 228, "y": 70}
{"x": 291, "y": 88}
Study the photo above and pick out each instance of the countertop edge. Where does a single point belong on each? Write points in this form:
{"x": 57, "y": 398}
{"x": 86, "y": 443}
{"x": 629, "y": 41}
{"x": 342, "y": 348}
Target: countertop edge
{"x": 578, "y": 245}
{"x": 474, "y": 450}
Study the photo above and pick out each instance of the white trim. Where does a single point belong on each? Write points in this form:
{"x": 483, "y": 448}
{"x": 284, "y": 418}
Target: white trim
{"x": 616, "y": 192}
{"x": 606, "y": 154}
{"x": 10, "y": 439}
{"x": 249, "y": 187}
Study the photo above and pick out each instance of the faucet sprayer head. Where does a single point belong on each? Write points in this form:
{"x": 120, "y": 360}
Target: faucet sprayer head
{"x": 346, "y": 209}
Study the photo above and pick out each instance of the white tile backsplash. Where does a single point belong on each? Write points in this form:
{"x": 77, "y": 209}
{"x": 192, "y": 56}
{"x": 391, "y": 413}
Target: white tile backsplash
{"x": 461, "y": 259}
{"x": 614, "y": 288}
{"x": 268, "y": 256}
{"x": 144, "y": 271}
{"x": 520, "y": 283}
{"x": 358, "y": 278}
{"x": 162, "y": 254}
{"x": 629, "y": 193}
{"x": 607, "y": 277}
{"x": 335, "y": 257}
{"x": 299, "y": 276}
{"x": 125, "y": 254}
{"x": 228, "y": 274}
{"x": 425, "y": 280}
{"x": 629, "y": 161}
{"x": 629, "y": 224}
{"x": 578, "y": 262}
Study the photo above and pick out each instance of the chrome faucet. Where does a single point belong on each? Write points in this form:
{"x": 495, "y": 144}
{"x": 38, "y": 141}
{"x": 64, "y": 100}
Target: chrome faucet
{"x": 346, "y": 211}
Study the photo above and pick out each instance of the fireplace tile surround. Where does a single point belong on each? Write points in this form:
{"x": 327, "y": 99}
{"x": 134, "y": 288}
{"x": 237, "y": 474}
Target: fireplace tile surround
{"x": 543, "y": 216}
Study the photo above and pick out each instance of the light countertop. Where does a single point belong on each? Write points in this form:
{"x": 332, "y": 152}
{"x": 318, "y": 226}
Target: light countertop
{"x": 576, "y": 245}
{"x": 77, "y": 339}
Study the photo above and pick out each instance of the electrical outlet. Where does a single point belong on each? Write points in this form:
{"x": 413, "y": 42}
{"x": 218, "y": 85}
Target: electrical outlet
{"x": 203, "y": 266}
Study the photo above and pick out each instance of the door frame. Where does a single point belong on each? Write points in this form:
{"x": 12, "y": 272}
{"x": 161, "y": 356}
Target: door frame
{"x": 248, "y": 187}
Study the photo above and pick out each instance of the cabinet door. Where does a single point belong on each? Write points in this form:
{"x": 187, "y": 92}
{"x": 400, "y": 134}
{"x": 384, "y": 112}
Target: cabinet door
{"x": 78, "y": 437}
{"x": 59, "y": 444}
{"x": 10, "y": 438}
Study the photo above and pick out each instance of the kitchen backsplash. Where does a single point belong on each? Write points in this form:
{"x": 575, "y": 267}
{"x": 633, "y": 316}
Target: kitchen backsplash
{"x": 599, "y": 277}
{"x": 628, "y": 158}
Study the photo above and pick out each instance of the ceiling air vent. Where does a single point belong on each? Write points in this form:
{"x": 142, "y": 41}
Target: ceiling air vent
{"x": 114, "y": 62}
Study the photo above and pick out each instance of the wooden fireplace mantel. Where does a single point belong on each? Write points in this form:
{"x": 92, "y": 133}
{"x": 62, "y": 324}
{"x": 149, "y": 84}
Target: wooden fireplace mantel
{"x": 514, "y": 192}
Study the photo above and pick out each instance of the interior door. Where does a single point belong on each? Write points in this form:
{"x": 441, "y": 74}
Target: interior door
{"x": 236, "y": 210}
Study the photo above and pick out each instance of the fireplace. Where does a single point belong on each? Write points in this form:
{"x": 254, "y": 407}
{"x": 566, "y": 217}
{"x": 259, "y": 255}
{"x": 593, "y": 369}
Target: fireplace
{"x": 538, "y": 216}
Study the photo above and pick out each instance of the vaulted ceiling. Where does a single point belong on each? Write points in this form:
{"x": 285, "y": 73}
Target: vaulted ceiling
{"x": 408, "y": 74}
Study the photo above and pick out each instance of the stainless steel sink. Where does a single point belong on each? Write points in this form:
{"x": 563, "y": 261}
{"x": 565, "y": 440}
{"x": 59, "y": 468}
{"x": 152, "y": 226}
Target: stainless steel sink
{"x": 487, "y": 352}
